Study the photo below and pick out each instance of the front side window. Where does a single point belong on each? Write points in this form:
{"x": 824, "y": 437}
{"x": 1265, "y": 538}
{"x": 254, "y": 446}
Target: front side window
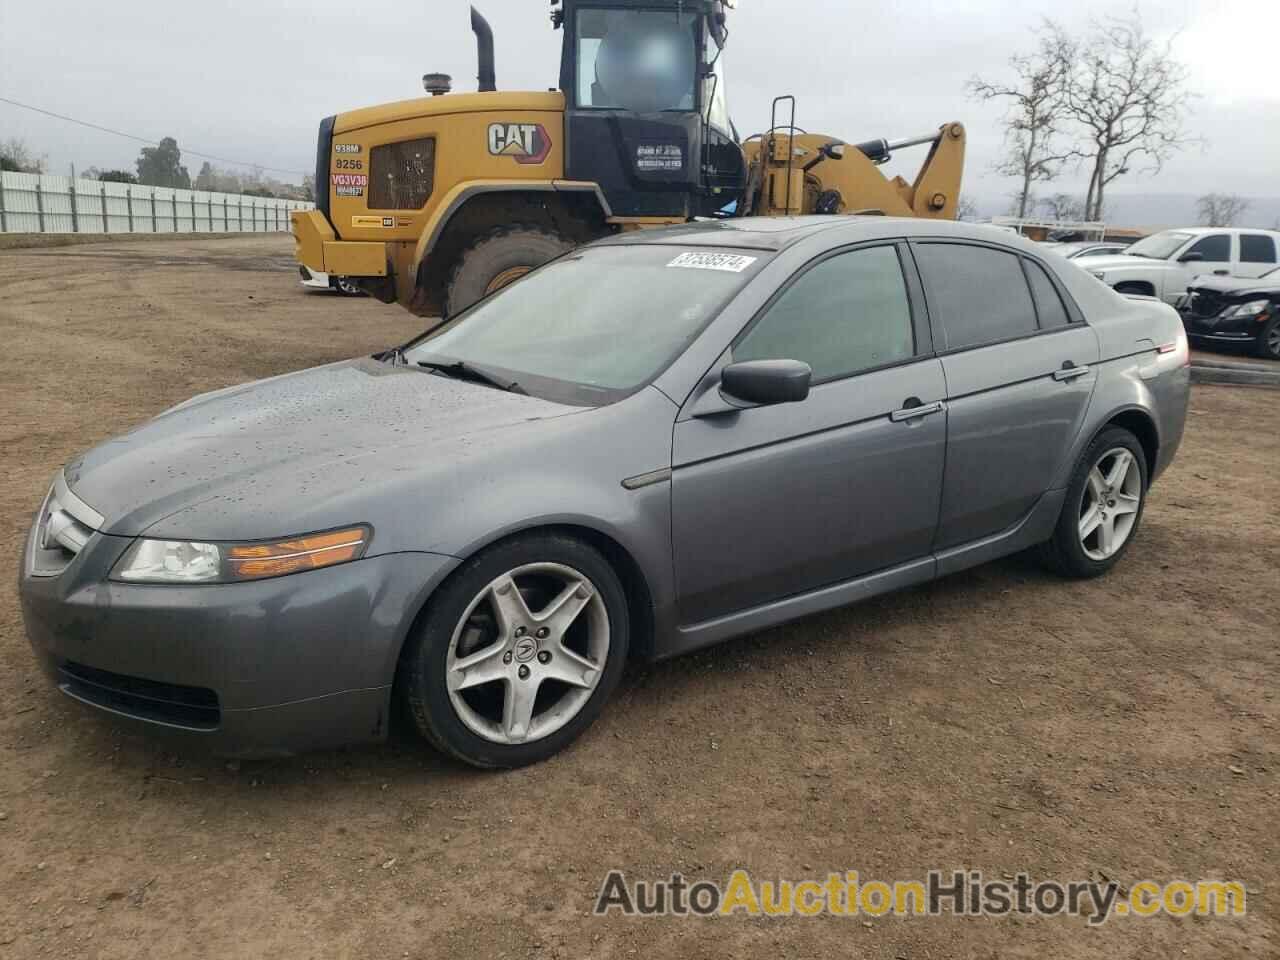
{"x": 643, "y": 61}
{"x": 980, "y": 294}
{"x": 847, "y": 314}
{"x": 596, "y": 324}
{"x": 1215, "y": 248}
{"x": 401, "y": 174}
{"x": 1257, "y": 248}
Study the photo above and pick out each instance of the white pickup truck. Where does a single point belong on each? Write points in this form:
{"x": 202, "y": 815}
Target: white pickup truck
{"x": 1163, "y": 264}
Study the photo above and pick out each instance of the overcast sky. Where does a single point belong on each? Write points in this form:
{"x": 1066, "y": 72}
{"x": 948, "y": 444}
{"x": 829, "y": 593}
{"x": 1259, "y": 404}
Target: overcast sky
{"x": 250, "y": 81}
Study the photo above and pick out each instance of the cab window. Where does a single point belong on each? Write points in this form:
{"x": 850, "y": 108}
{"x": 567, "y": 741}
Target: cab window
{"x": 1216, "y": 247}
{"x": 637, "y": 60}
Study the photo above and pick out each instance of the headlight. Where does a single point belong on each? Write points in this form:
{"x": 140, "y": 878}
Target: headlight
{"x": 184, "y": 561}
{"x": 1250, "y": 309}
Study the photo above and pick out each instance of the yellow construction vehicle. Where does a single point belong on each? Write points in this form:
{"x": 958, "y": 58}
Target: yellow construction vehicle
{"x": 436, "y": 202}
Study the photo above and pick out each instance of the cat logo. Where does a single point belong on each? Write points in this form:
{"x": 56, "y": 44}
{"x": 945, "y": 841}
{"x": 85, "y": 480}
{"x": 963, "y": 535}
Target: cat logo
{"x": 526, "y": 142}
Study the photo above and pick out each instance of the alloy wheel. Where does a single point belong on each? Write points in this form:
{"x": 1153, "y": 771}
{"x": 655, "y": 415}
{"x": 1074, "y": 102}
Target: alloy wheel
{"x": 1110, "y": 504}
{"x": 527, "y": 653}
{"x": 1273, "y": 341}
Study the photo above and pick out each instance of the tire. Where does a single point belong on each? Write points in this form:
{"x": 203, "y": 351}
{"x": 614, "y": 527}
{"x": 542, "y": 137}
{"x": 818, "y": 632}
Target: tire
{"x": 498, "y": 258}
{"x": 506, "y": 658}
{"x": 346, "y": 288}
{"x": 1268, "y": 344}
{"x": 1069, "y": 551}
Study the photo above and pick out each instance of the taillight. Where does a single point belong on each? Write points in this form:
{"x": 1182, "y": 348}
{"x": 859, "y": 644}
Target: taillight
{"x": 1180, "y": 348}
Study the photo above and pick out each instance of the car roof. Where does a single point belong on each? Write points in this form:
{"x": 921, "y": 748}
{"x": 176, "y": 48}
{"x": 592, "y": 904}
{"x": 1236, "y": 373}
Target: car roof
{"x": 779, "y": 233}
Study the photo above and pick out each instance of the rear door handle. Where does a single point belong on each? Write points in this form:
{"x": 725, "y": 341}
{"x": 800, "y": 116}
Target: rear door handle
{"x": 917, "y": 411}
{"x": 1071, "y": 372}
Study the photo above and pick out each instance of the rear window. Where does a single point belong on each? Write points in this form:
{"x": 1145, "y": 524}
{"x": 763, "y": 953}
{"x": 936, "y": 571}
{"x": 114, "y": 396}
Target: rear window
{"x": 1049, "y": 305}
{"x": 980, "y": 294}
{"x": 1257, "y": 248}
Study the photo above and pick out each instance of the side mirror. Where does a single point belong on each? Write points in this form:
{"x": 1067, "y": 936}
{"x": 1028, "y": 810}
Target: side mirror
{"x": 1190, "y": 257}
{"x": 766, "y": 382}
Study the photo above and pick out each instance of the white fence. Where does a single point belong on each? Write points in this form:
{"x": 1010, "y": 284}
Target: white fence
{"x": 35, "y": 203}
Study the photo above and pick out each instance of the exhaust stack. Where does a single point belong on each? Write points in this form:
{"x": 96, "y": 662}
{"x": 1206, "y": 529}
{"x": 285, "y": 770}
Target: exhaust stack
{"x": 484, "y": 51}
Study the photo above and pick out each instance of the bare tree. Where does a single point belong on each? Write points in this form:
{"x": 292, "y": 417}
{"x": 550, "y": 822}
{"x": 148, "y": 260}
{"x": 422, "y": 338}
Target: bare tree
{"x": 1221, "y": 209}
{"x": 1130, "y": 96}
{"x": 1063, "y": 206}
{"x": 1035, "y": 113}
{"x": 16, "y": 156}
{"x": 966, "y": 209}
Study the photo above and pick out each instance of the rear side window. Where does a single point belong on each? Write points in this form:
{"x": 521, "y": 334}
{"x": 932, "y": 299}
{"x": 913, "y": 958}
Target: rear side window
{"x": 401, "y": 174}
{"x": 1216, "y": 248}
{"x": 1052, "y": 311}
{"x": 1256, "y": 248}
{"x": 980, "y": 294}
{"x": 847, "y": 314}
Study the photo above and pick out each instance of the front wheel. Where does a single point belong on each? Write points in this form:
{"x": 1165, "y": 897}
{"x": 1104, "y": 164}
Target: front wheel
{"x": 1104, "y": 505}
{"x": 346, "y": 287}
{"x": 1268, "y": 346}
{"x": 519, "y": 651}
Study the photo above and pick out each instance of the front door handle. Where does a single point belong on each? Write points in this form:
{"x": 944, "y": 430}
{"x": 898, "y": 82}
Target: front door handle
{"x": 917, "y": 410}
{"x": 1069, "y": 371}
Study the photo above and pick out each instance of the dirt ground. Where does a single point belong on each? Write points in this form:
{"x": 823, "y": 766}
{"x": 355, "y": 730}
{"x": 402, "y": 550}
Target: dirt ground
{"x": 1000, "y": 720}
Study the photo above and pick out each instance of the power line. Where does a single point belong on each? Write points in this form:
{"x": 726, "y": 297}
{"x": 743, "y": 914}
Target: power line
{"x": 146, "y": 140}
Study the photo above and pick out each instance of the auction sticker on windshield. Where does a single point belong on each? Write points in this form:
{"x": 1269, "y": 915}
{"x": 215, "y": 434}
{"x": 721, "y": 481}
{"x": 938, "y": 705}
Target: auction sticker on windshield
{"x": 729, "y": 262}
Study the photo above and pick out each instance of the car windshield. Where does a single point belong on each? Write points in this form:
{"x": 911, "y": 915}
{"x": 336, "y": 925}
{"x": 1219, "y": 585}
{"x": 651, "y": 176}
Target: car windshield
{"x": 594, "y": 325}
{"x": 1159, "y": 246}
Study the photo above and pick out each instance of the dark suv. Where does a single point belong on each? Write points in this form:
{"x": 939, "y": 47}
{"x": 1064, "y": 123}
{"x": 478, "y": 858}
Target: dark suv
{"x": 1235, "y": 310}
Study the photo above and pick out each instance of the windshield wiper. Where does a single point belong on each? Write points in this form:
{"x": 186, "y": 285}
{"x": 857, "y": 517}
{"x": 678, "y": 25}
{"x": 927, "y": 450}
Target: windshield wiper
{"x": 461, "y": 370}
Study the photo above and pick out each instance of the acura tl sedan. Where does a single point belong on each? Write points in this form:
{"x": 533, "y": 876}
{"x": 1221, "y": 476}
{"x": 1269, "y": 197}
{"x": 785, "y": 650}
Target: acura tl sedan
{"x": 652, "y": 444}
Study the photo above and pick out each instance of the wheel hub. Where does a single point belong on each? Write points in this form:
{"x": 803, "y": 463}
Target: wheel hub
{"x": 528, "y": 653}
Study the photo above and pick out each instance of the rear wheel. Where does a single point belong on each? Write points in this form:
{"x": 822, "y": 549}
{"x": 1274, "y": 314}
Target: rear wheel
{"x": 519, "y": 652}
{"x": 1268, "y": 346}
{"x": 1104, "y": 505}
{"x": 346, "y": 287}
{"x": 499, "y": 258}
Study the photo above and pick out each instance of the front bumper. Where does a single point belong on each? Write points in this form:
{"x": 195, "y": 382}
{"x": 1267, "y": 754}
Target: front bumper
{"x": 267, "y": 668}
{"x": 1218, "y": 330}
{"x": 314, "y": 279}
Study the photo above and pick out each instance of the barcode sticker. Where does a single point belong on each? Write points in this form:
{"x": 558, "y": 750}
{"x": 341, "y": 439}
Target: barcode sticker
{"x": 728, "y": 262}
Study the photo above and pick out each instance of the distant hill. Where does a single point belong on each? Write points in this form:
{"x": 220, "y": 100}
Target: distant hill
{"x": 1153, "y": 210}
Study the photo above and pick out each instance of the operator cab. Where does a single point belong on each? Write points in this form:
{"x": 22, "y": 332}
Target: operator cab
{"x": 646, "y": 112}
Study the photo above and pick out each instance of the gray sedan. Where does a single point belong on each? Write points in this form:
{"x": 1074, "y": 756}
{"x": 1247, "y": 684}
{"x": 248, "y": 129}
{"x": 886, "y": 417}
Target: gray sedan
{"x": 652, "y": 444}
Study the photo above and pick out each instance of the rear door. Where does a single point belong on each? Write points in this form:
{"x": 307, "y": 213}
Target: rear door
{"x": 1257, "y": 254}
{"x": 1020, "y": 368}
{"x": 775, "y": 501}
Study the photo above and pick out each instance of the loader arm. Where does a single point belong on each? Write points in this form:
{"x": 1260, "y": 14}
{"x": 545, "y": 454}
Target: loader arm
{"x": 848, "y": 180}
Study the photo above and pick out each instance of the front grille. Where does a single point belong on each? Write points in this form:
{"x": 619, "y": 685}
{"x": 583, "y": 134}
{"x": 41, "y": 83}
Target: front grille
{"x": 63, "y": 527}
{"x": 192, "y": 707}
{"x": 1204, "y": 304}
{"x": 401, "y": 174}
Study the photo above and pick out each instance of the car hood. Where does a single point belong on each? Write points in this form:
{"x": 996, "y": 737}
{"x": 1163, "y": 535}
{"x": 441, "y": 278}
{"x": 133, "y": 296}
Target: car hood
{"x": 1237, "y": 286}
{"x": 296, "y": 453}
{"x": 1120, "y": 261}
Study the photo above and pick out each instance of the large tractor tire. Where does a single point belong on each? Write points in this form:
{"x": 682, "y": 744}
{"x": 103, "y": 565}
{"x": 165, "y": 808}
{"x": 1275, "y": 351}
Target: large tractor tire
{"x": 498, "y": 258}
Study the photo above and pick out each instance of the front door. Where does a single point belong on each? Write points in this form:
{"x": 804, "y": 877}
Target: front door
{"x": 775, "y": 501}
{"x": 1211, "y": 255}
